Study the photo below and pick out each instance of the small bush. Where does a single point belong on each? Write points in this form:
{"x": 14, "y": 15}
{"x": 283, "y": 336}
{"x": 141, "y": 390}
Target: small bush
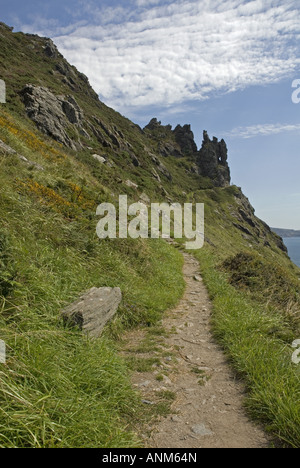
{"x": 251, "y": 272}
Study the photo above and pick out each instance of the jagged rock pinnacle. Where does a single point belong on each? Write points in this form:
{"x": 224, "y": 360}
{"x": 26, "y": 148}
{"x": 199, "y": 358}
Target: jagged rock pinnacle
{"x": 212, "y": 161}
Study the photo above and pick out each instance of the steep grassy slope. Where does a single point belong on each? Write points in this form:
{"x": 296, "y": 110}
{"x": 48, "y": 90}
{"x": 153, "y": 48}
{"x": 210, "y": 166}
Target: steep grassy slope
{"x": 58, "y": 388}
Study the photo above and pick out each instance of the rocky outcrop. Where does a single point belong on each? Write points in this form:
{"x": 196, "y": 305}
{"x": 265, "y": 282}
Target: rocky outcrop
{"x": 168, "y": 149}
{"x": 250, "y": 225}
{"x": 161, "y": 168}
{"x": 110, "y": 133}
{"x": 59, "y": 116}
{"x": 163, "y": 134}
{"x": 53, "y": 114}
{"x": 212, "y": 161}
{"x": 50, "y": 49}
{"x": 93, "y": 310}
{"x": 185, "y": 139}
{"x": 155, "y": 125}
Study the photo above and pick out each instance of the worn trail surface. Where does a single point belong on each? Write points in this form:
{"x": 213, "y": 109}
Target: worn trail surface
{"x": 208, "y": 410}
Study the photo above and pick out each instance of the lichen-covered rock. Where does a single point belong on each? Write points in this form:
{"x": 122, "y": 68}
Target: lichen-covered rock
{"x": 114, "y": 140}
{"x": 99, "y": 158}
{"x": 93, "y": 310}
{"x": 53, "y": 114}
{"x": 154, "y": 124}
{"x": 72, "y": 110}
{"x": 161, "y": 168}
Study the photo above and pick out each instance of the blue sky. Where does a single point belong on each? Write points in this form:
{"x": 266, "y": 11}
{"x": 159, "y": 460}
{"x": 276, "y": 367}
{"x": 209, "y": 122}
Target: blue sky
{"x": 226, "y": 66}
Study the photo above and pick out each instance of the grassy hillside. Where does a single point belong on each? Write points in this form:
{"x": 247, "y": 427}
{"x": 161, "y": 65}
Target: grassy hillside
{"x": 60, "y": 389}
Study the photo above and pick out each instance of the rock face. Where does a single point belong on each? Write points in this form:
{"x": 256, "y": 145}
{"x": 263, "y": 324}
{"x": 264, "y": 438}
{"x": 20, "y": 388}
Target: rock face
{"x": 50, "y": 49}
{"x": 53, "y": 114}
{"x": 93, "y": 310}
{"x": 212, "y": 161}
{"x": 185, "y": 139}
{"x": 56, "y": 115}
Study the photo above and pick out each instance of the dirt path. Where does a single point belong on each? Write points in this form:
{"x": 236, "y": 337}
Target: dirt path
{"x": 208, "y": 410}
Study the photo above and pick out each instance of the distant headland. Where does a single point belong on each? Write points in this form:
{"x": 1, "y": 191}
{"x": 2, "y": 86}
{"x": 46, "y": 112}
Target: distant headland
{"x": 286, "y": 232}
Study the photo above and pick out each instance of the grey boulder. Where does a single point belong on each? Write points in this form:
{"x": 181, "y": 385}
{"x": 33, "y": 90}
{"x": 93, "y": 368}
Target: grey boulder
{"x": 93, "y": 310}
{"x": 53, "y": 114}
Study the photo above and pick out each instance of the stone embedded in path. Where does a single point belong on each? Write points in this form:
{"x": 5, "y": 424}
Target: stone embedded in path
{"x": 93, "y": 310}
{"x": 176, "y": 419}
{"x": 201, "y": 430}
{"x": 145, "y": 384}
{"x": 197, "y": 278}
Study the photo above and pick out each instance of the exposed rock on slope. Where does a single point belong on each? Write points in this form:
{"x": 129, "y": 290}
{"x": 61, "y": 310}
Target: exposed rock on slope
{"x": 185, "y": 139}
{"x": 50, "y": 49}
{"x": 212, "y": 161}
{"x": 159, "y": 160}
{"x": 250, "y": 225}
{"x": 93, "y": 310}
{"x": 53, "y": 114}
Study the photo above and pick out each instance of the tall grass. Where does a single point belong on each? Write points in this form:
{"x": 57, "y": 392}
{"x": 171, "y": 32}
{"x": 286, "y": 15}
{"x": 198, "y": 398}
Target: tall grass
{"x": 58, "y": 387}
{"x": 249, "y": 332}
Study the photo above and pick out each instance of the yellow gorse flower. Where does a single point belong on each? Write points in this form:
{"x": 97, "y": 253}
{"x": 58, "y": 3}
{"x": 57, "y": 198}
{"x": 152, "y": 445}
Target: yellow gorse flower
{"x": 51, "y": 198}
{"x": 28, "y": 138}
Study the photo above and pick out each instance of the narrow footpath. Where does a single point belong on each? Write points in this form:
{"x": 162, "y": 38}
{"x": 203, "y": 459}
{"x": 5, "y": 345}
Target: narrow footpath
{"x": 208, "y": 410}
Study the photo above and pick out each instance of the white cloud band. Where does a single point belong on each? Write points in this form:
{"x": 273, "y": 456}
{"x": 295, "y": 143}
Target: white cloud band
{"x": 262, "y": 130}
{"x": 183, "y": 50}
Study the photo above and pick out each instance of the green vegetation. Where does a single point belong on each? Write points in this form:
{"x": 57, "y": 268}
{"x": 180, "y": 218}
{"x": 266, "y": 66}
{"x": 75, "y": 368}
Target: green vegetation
{"x": 143, "y": 364}
{"x": 61, "y": 389}
{"x": 58, "y": 388}
{"x": 254, "y": 335}
{"x": 255, "y": 292}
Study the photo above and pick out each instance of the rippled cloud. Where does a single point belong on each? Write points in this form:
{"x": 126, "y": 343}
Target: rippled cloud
{"x": 165, "y": 53}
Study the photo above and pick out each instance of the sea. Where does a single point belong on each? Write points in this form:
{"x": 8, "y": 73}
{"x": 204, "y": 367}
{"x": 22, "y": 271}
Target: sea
{"x": 293, "y": 245}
